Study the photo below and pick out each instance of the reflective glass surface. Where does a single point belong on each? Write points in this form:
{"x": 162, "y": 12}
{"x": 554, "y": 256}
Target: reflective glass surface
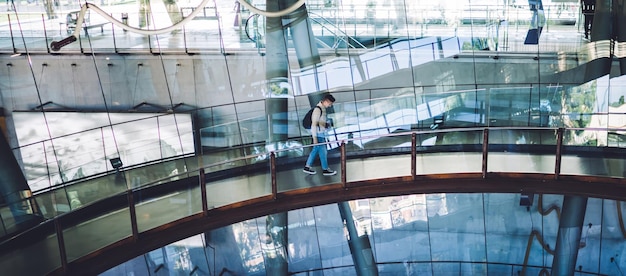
{"x": 225, "y": 92}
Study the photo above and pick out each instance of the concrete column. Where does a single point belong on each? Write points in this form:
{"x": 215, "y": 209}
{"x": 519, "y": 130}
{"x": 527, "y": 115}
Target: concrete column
{"x": 568, "y": 238}
{"x": 360, "y": 247}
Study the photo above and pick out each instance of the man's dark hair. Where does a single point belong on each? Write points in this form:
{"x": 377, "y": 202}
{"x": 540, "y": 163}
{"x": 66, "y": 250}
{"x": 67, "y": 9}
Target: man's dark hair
{"x": 329, "y": 97}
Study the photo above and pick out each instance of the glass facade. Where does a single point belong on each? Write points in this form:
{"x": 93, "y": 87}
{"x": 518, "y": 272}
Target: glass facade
{"x": 134, "y": 106}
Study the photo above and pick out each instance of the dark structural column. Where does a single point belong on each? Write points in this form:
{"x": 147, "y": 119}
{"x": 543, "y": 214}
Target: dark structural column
{"x": 619, "y": 31}
{"x": 360, "y": 247}
{"x": 276, "y": 105}
{"x": 568, "y": 238}
{"x": 14, "y": 191}
{"x": 600, "y": 32}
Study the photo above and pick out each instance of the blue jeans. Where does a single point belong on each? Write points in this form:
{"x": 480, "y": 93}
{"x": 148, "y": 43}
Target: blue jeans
{"x": 319, "y": 149}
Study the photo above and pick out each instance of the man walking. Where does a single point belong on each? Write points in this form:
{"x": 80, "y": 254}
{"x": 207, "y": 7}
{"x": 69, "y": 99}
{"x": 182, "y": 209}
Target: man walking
{"x": 319, "y": 128}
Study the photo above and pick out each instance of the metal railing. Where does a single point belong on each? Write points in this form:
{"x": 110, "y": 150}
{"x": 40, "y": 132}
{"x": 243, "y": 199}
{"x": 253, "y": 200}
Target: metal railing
{"x": 133, "y": 211}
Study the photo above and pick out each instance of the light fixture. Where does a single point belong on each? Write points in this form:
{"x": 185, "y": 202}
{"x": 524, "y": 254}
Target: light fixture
{"x": 437, "y": 121}
{"x": 116, "y": 163}
{"x": 526, "y": 199}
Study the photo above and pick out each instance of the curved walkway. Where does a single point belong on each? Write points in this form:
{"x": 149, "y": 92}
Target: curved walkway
{"x": 118, "y": 228}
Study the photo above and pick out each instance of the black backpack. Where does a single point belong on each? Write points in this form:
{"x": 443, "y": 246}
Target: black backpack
{"x": 306, "y": 121}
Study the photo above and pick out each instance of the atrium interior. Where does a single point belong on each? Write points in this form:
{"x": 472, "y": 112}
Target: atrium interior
{"x": 164, "y": 137}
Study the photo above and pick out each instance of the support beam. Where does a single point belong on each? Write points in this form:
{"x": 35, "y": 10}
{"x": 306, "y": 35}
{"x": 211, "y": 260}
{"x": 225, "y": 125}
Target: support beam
{"x": 568, "y": 238}
{"x": 360, "y": 247}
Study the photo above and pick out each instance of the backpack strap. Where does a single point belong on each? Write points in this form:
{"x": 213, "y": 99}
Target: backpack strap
{"x": 317, "y": 106}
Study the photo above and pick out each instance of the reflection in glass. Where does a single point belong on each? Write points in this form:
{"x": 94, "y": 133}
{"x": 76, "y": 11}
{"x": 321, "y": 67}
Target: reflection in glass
{"x": 426, "y": 233}
{"x": 82, "y": 148}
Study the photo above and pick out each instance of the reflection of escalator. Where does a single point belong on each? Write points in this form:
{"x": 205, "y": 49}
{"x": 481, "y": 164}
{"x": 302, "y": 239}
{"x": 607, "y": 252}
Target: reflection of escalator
{"x": 337, "y": 38}
{"x": 255, "y": 29}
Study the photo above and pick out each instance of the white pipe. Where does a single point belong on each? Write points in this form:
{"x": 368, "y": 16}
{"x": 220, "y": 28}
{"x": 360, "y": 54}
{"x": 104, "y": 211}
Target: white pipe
{"x": 57, "y": 45}
{"x": 83, "y": 10}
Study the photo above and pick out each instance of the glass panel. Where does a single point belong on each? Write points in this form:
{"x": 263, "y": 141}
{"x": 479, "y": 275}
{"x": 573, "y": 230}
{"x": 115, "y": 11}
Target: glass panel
{"x": 332, "y": 237}
{"x": 161, "y": 172}
{"x": 502, "y": 269}
{"x": 84, "y": 193}
{"x": 590, "y": 236}
{"x": 514, "y": 150}
{"x": 394, "y": 217}
{"x": 6, "y": 221}
{"x": 80, "y": 155}
{"x": 156, "y": 210}
{"x": 184, "y": 257}
{"x": 248, "y": 245}
{"x": 19, "y": 260}
{"x": 95, "y": 233}
{"x": 137, "y": 141}
{"x": 584, "y": 154}
{"x": 612, "y": 239}
{"x": 364, "y": 163}
{"x": 508, "y": 227}
{"x": 33, "y": 157}
{"x": 303, "y": 249}
{"x": 18, "y": 216}
{"x": 468, "y": 231}
{"x": 252, "y": 182}
{"x": 53, "y": 203}
{"x": 449, "y": 152}
{"x": 175, "y": 135}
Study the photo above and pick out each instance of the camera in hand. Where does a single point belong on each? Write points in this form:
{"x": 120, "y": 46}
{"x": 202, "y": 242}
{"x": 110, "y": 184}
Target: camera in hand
{"x": 330, "y": 123}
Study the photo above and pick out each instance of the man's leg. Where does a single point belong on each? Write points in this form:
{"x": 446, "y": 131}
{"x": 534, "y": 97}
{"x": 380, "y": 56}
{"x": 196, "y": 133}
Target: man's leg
{"x": 323, "y": 152}
{"x": 312, "y": 155}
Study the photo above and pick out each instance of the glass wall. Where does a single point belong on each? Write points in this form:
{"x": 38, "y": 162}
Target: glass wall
{"x": 393, "y": 66}
{"x": 432, "y": 234}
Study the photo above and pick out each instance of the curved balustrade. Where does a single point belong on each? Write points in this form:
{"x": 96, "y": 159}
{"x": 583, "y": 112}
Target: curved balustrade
{"x": 452, "y": 267}
{"x": 138, "y": 217}
{"x": 82, "y": 172}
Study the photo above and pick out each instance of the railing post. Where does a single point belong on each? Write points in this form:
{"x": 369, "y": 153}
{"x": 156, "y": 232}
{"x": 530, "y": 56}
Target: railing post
{"x": 45, "y": 32}
{"x": 11, "y": 31}
{"x": 205, "y": 203}
{"x": 133, "y": 214}
{"x": 273, "y": 174}
{"x": 113, "y": 33}
{"x": 343, "y": 159}
{"x": 559, "y": 145}
{"x": 61, "y": 242}
{"x": 413, "y": 155}
{"x": 485, "y": 151}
